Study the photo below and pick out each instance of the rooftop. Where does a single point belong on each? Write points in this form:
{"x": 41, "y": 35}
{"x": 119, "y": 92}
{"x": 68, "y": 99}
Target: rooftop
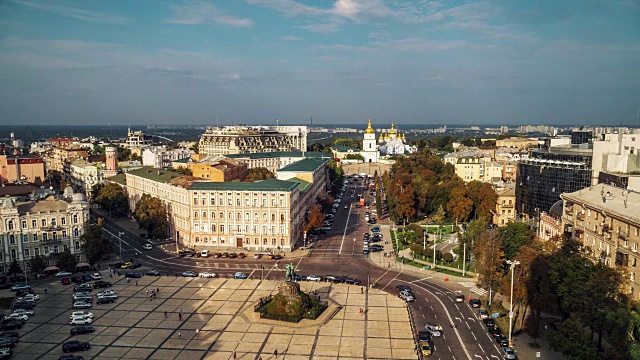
{"x": 50, "y": 203}
{"x": 306, "y": 165}
{"x": 342, "y": 148}
{"x": 266, "y": 155}
{"x": 611, "y": 199}
{"x": 119, "y": 179}
{"x": 154, "y": 174}
{"x": 263, "y": 185}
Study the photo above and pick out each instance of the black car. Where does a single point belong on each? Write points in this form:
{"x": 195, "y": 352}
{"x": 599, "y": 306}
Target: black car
{"x": 403, "y": 287}
{"x": 71, "y": 346}
{"x": 101, "y": 284}
{"x": 105, "y": 300}
{"x": 152, "y": 273}
{"x": 376, "y": 249}
{"x": 82, "y": 330}
{"x": 298, "y": 278}
{"x": 86, "y": 278}
{"x": 424, "y": 335}
{"x": 7, "y": 343}
{"x": 82, "y": 288}
{"x": 351, "y": 281}
{"x": 24, "y": 292}
{"x": 71, "y": 357}
{"x": 10, "y": 334}
{"x": 495, "y": 331}
{"x": 502, "y": 341}
{"x": 115, "y": 265}
{"x": 4, "y": 321}
{"x": 489, "y": 322}
{"x": 5, "y": 286}
{"x": 132, "y": 275}
{"x": 135, "y": 266}
{"x": 475, "y": 303}
{"x": 13, "y": 325}
{"x": 375, "y": 240}
{"x": 333, "y": 278}
{"x": 27, "y": 305}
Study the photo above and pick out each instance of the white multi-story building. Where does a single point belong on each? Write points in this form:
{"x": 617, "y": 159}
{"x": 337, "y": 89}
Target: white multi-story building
{"x": 252, "y": 139}
{"x": 266, "y": 215}
{"x": 615, "y": 158}
{"x": 162, "y": 158}
{"x": 44, "y": 227}
{"x": 83, "y": 175}
{"x": 137, "y": 139}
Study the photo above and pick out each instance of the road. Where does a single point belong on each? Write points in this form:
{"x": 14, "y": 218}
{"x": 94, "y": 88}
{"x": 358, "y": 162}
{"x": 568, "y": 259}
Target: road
{"x": 339, "y": 252}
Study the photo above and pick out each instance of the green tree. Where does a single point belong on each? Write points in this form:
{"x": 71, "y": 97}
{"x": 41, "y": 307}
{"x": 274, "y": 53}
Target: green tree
{"x": 37, "y": 264}
{"x": 94, "y": 245}
{"x": 152, "y": 216}
{"x": 124, "y": 153}
{"x": 439, "y": 216}
{"x": 313, "y": 218}
{"x": 513, "y": 236}
{"x": 14, "y": 267}
{"x": 573, "y": 340}
{"x": 354, "y": 144}
{"x": 184, "y": 171}
{"x": 258, "y": 173}
{"x": 66, "y": 261}
{"x": 354, "y": 157}
{"x": 489, "y": 260}
{"x": 112, "y": 197}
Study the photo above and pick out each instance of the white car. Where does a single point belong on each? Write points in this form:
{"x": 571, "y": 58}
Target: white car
{"x": 314, "y": 278}
{"x": 105, "y": 293}
{"x": 79, "y": 296}
{"x": 30, "y": 297}
{"x": 434, "y": 330}
{"x": 77, "y": 314}
{"x": 81, "y": 305}
{"x": 63, "y": 274}
{"x": 96, "y": 276}
{"x": 147, "y": 246}
{"x": 16, "y": 316}
{"x": 23, "y": 312}
{"x": 207, "y": 275}
{"x": 81, "y": 321}
{"x": 483, "y": 314}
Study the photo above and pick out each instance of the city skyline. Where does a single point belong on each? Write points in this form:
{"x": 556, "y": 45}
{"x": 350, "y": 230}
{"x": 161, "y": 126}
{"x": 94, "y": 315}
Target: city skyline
{"x": 411, "y": 62}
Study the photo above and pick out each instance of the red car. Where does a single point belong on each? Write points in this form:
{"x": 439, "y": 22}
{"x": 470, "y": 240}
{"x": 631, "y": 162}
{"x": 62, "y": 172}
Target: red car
{"x": 65, "y": 281}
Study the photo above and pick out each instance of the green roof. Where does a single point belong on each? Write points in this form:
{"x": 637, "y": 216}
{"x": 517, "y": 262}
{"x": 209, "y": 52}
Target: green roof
{"x": 158, "y": 175}
{"x": 262, "y": 185}
{"x": 306, "y": 165}
{"x": 342, "y": 148}
{"x": 119, "y": 179}
{"x": 183, "y": 160}
{"x": 302, "y": 185}
{"x": 267, "y": 155}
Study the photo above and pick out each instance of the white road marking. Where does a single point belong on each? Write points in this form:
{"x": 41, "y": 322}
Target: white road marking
{"x": 346, "y": 226}
{"x": 481, "y": 348}
{"x": 466, "y": 323}
{"x": 474, "y": 336}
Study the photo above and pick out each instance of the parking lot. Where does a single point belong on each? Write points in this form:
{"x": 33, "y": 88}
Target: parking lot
{"x": 205, "y": 320}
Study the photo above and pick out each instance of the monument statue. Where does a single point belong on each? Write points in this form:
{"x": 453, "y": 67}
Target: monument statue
{"x": 290, "y": 272}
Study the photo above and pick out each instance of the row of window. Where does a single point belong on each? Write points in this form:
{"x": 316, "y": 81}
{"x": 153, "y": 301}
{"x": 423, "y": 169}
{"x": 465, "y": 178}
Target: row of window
{"x": 13, "y": 253}
{"x": 247, "y": 216}
{"x": 247, "y": 241}
{"x": 36, "y": 237}
{"x": 255, "y": 229}
{"x": 43, "y": 222}
{"x": 247, "y": 202}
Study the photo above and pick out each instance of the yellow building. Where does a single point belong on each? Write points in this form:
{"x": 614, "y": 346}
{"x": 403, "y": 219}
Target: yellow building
{"x": 517, "y": 142}
{"x": 219, "y": 169}
{"x": 21, "y": 168}
{"x": 505, "y": 207}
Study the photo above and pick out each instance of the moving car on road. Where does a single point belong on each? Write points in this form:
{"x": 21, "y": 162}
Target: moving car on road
{"x": 406, "y": 296}
{"x": 240, "y": 275}
{"x": 403, "y": 287}
{"x": 152, "y": 273}
{"x": 459, "y": 298}
{"x": 189, "y": 274}
{"x": 425, "y": 348}
{"x": 147, "y": 246}
{"x": 132, "y": 275}
{"x": 207, "y": 275}
{"x": 63, "y": 274}
{"x": 434, "y": 330}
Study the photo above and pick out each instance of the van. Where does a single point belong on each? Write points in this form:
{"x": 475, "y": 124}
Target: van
{"x": 204, "y": 253}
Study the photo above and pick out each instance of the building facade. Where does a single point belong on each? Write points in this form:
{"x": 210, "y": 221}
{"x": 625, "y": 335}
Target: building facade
{"x": 44, "y": 227}
{"x": 505, "y": 207}
{"x": 273, "y": 161}
{"x": 370, "y": 151}
{"x": 137, "y": 139}
{"x": 21, "y": 168}
{"x": 83, "y": 176}
{"x": 219, "y": 169}
{"x": 550, "y": 224}
{"x": 59, "y": 156}
{"x": 606, "y": 220}
{"x": 161, "y": 158}
{"x": 252, "y": 139}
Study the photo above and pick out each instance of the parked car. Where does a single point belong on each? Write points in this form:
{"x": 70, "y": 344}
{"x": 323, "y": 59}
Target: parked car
{"x": 29, "y": 297}
{"x": 83, "y": 329}
{"x": 152, "y": 273}
{"x": 508, "y": 353}
{"x": 489, "y": 322}
{"x": 6, "y": 353}
{"x": 217, "y": 255}
{"x": 86, "y": 278}
{"x": 406, "y": 296}
{"x": 225, "y": 255}
{"x": 16, "y": 288}
{"x": 71, "y": 357}
{"x": 189, "y": 274}
{"x": 240, "y": 275}
{"x": 242, "y": 256}
{"x": 494, "y": 331}
{"x": 82, "y": 288}
{"x": 101, "y": 284}
{"x": 81, "y": 320}
{"x": 425, "y": 348}
{"x": 63, "y": 274}
{"x": 16, "y": 316}
{"x": 233, "y": 255}
{"x": 24, "y": 305}
{"x": 314, "y": 278}
{"x": 65, "y": 281}
{"x": 105, "y": 300}
{"x": 351, "y": 281}
{"x": 7, "y": 343}
{"x": 483, "y": 314}
{"x": 135, "y": 265}
{"x": 475, "y": 303}
{"x": 96, "y": 276}
{"x": 256, "y": 256}
{"x": 12, "y": 325}
{"x": 132, "y": 275}
{"x": 71, "y": 346}
{"x": 23, "y": 312}
{"x": 333, "y": 278}
{"x": 207, "y": 275}
{"x": 81, "y": 305}
{"x": 502, "y": 341}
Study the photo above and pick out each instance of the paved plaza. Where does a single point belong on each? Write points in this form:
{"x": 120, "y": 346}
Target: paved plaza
{"x": 215, "y": 323}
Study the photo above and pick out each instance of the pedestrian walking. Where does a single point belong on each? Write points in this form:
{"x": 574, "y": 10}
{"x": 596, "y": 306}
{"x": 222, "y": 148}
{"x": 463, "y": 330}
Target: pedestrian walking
{"x": 180, "y": 316}
{"x": 197, "y": 332}
{"x": 165, "y": 314}
{"x": 179, "y": 334}
{"x": 361, "y": 290}
{"x": 157, "y": 290}
{"x": 45, "y": 290}
{"x": 136, "y": 282}
{"x": 275, "y": 352}
{"x": 234, "y": 355}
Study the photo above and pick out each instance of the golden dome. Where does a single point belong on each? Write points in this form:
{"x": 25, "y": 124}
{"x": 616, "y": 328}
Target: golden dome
{"x": 393, "y": 130}
{"x": 369, "y": 129}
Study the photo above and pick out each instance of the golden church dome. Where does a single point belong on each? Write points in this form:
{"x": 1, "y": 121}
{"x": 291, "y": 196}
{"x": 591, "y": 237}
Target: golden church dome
{"x": 369, "y": 129}
{"x": 393, "y": 130}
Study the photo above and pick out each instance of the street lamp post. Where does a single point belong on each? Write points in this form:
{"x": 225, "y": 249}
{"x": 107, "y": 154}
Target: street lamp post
{"x": 120, "y": 233}
{"x": 513, "y": 266}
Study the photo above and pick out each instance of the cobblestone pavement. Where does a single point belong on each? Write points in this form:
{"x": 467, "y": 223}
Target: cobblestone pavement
{"x": 213, "y": 325}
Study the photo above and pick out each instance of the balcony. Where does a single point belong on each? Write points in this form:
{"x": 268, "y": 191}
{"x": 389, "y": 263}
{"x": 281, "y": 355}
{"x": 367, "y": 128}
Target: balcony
{"x": 623, "y": 235}
{"x": 580, "y": 216}
{"x": 508, "y": 206}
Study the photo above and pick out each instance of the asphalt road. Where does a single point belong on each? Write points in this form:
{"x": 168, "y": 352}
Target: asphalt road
{"x": 339, "y": 252}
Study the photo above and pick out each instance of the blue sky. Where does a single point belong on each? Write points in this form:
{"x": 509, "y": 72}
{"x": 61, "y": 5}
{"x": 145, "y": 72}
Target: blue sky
{"x": 254, "y": 61}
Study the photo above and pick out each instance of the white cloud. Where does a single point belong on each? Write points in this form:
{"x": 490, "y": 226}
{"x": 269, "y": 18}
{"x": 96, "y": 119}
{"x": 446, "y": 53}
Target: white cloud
{"x": 73, "y": 11}
{"x": 290, "y": 38}
{"x": 321, "y": 28}
{"x": 205, "y": 14}
{"x": 233, "y": 76}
